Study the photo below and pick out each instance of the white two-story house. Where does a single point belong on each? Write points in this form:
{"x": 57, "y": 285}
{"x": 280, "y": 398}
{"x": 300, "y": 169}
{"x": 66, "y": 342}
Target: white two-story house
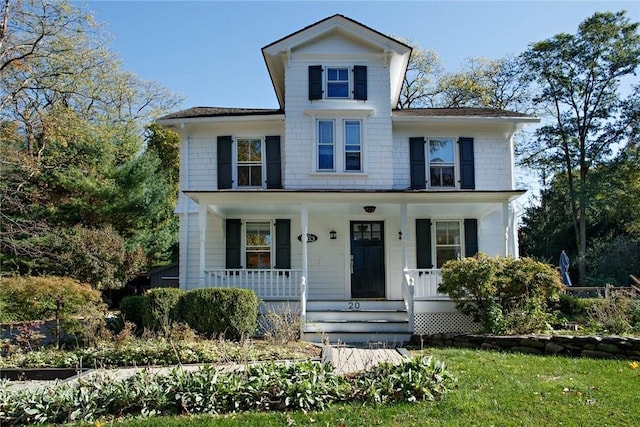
{"x": 337, "y": 202}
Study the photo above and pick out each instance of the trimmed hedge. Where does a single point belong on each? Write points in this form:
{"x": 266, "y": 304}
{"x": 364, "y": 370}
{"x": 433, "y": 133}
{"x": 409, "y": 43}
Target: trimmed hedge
{"x": 160, "y": 308}
{"x": 221, "y": 311}
{"x": 131, "y": 310}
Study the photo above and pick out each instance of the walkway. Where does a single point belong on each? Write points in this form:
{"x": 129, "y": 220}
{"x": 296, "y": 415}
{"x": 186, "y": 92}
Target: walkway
{"x": 348, "y": 360}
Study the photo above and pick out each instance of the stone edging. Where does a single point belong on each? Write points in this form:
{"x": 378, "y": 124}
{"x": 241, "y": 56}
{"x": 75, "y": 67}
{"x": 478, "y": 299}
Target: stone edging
{"x": 610, "y": 347}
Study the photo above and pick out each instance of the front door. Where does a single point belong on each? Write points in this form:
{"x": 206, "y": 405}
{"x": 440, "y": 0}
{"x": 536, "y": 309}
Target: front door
{"x": 367, "y": 259}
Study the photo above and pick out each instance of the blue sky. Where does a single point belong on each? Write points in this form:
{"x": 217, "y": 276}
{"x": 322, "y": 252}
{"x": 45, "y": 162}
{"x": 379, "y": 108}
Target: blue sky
{"x": 209, "y": 51}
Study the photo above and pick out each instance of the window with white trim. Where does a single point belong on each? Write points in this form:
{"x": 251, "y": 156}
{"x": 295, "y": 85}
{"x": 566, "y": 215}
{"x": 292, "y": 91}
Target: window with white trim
{"x": 352, "y": 145}
{"x": 326, "y": 145}
{"x": 337, "y": 82}
{"x": 441, "y": 159}
{"x": 448, "y": 241}
{"x": 249, "y": 160}
{"x": 258, "y": 248}
{"x": 339, "y": 145}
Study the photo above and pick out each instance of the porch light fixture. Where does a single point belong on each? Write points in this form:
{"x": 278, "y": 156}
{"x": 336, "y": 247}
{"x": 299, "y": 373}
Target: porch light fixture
{"x": 333, "y": 235}
{"x": 369, "y": 209}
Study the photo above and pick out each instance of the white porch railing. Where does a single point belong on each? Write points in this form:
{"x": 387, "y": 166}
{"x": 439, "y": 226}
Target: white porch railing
{"x": 269, "y": 284}
{"x": 408, "y": 294}
{"x": 426, "y": 282}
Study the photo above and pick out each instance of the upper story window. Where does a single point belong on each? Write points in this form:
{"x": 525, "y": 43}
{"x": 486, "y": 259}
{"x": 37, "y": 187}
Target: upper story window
{"x": 249, "y": 162}
{"x": 334, "y": 82}
{"x": 326, "y": 146}
{"x": 442, "y": 163}
{"x": 352, "y": 145}
{"x": 337, "y": 82}
{"x": 346, "y": 138}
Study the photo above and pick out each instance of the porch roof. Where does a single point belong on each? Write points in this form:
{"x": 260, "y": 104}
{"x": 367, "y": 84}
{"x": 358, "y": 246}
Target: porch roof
{"x": 471, "y": 203}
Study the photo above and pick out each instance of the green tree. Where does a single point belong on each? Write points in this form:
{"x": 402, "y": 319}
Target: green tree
{"x": 486, "y": 83}
{"x": 72, "y": 143}
{"x": 577, "y": 79}
{"x": 419, "y": 87}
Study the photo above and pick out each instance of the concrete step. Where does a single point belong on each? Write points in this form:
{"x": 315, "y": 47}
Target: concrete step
{"x": 360, "y": 315}
{"x": 371, "y": 339}
{"x": 371, "y": 326}
{"x": 356, "y": 305}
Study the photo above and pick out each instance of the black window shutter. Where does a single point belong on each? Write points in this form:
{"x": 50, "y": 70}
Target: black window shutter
{"x": 423, "y": 243}
{"x": 274, "y": 168}
{"x": 467, "y": 167}
{"x": 225, "y": 162}
{"x": 315, "y": 82}
{"x": 470, "y": 237}
{"x": 283, "y": 243}
{"x": 417, "y": 163}
{"x": 233, "y": 250}
{"x": 360, "y": 82}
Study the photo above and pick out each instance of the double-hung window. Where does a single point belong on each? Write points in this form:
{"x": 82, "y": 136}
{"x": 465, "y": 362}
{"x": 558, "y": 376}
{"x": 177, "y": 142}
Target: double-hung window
{"x": 258, "y": 245}
{"x": 337, "y": 82}
{"x": 352, "y": 145}
{"x": 448, "y": 241}
{"x": 339, "y": 145}
{"x": 441, "y": 163}
{"x": 326, "y": 145}
{"x": 249, "y": 162}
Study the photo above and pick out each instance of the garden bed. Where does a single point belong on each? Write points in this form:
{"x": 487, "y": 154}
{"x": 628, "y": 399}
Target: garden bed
{"x": 38, "y": 374}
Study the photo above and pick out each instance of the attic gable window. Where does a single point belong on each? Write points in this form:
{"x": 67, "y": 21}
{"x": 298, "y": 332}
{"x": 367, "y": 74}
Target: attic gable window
{"x": 337, "y": 82}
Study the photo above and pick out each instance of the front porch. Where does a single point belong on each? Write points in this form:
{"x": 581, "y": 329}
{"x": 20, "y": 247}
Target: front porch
{"x": 390, "y": 322}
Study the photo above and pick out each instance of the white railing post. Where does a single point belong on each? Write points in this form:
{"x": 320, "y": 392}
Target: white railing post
{"x": 303, "y": 304}
{"x": 408, "y": 291}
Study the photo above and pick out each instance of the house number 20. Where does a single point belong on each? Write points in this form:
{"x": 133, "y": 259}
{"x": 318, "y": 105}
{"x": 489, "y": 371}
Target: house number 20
{"x": 354, "y": 305}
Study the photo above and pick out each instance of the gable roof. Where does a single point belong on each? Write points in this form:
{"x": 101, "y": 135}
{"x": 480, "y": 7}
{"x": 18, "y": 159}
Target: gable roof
{"x": 277, "y": 54}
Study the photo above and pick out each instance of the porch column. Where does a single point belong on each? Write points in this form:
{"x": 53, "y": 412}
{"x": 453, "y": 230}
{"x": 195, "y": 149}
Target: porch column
{"x": 405, "y": 234}
{"x": 202, "y": 228}
{"x": 304, "y": 221}
{"x": 505, "y": 222}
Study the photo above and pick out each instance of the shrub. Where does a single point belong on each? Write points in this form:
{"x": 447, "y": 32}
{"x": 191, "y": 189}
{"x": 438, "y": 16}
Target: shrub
{"x": 282, "y": 325}
{"x": 615, "y": 315}
{"x": 131, "y": 310}
{"x": 506, "y": 295}
{"x": 216, "y": 311}
{"x": 160, "y": 308}
{"x": 62, "y": 299}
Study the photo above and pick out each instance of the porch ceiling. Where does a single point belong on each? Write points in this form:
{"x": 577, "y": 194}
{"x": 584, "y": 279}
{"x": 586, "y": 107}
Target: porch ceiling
{"x": 474, "y": 204}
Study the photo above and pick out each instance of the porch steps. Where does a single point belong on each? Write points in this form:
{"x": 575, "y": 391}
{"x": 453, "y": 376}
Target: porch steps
{"x": 357, "y": 322}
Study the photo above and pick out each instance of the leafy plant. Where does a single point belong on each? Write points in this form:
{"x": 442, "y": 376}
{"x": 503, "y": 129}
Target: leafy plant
{"x": 229, "y": 312}
{"x": 506, "y": 295}
{"x": 62, "y": 299}
{"x": 160, "y": 308}
{"x": 131, "y": 310}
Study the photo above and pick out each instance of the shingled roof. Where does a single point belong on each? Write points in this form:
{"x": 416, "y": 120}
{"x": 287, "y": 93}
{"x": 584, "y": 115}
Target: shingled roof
{"x": 457, "y": 112}
{"x": 220, "y": 112}
{"x": 409, "y": 112}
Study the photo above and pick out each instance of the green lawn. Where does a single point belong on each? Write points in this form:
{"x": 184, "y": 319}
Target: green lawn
{"x": 493, "y": 389}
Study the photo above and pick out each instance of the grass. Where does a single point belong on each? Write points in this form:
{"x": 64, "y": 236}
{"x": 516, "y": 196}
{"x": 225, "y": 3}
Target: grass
{"x": 500, "y": 389}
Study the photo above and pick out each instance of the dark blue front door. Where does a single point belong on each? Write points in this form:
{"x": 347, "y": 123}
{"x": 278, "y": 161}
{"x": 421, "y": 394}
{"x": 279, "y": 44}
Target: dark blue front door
{"x": 367, "y": 259}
